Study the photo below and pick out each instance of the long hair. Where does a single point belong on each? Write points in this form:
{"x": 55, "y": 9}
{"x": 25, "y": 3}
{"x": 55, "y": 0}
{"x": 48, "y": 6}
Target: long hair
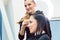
{"x": 43, "y": 24}
{"x": 26, "y": 16}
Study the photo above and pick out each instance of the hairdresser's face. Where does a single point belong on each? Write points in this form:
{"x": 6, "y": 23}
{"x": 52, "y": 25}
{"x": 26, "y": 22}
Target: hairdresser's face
{"x": 32, "y": 24}
{"x": 29, "y": 6}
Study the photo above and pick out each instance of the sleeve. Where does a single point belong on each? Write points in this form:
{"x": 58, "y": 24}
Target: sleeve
{"x": 21, "y": 37}
{"x": 44, "y": 37}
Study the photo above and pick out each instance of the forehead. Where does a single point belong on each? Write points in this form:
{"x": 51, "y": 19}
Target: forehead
{"x": 32, "y": 18}
{"x": 28, "y": 1}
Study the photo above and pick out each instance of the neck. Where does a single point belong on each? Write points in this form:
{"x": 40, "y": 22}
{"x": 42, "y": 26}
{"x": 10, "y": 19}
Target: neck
{"x": 32, "y": 12}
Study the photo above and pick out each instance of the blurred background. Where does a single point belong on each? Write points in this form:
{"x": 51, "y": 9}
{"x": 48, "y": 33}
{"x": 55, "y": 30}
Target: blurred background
{"x": 12, "y": 10}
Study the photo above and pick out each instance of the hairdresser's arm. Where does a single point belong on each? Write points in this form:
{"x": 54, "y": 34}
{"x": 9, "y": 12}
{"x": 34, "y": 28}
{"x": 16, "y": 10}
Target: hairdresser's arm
{"x": 22, "y": 30}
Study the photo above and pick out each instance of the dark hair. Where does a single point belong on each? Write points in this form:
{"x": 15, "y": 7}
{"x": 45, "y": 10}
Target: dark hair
{"x": 40, "y": 20}
{"x": 43, "y": 24}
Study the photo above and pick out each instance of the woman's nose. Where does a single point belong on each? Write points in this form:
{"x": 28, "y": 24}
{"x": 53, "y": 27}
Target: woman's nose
{"x": 28, "y": 25}
{"x": 27, "y": 7}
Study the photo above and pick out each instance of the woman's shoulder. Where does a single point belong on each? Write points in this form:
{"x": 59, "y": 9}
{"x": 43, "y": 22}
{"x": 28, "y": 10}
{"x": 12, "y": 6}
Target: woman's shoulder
{"x": 44, "y": 37}
{"x": 39, "y": 12}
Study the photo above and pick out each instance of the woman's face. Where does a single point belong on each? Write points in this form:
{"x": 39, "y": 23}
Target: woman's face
{"x": 29, "y": 6}
{"x": 32, "y": 24}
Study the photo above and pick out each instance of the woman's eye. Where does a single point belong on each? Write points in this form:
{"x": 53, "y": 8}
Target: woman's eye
{"x": 30, "y": 21}
{"x": 29, "y": 4}
{"x": 25, "y": 5}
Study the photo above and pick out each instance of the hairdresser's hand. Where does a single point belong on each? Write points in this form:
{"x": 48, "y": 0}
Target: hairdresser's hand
{"x": 24, "y": 25}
